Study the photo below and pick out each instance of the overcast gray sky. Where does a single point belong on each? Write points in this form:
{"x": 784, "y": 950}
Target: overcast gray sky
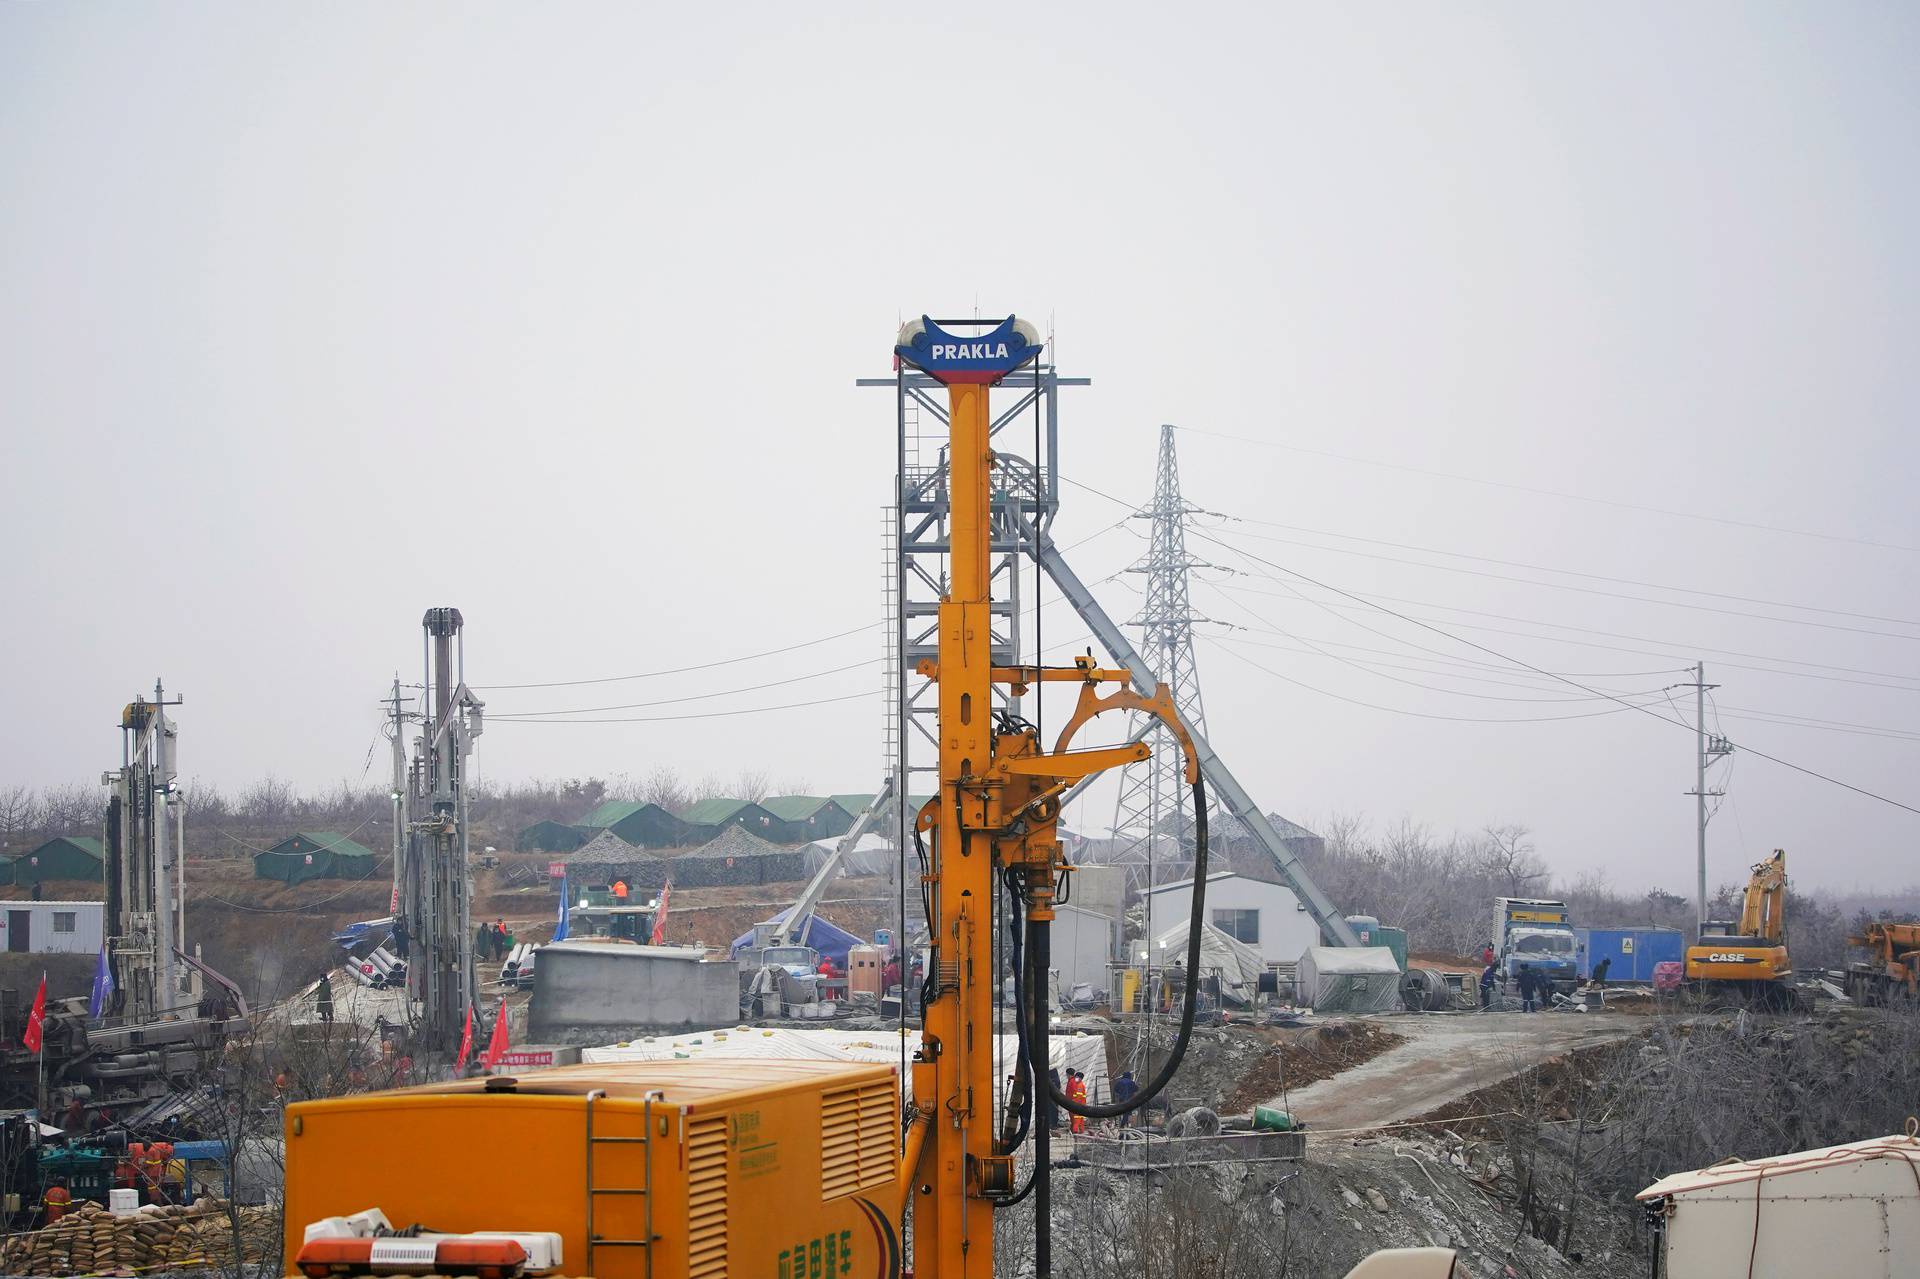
{"x": 312, "y": 317}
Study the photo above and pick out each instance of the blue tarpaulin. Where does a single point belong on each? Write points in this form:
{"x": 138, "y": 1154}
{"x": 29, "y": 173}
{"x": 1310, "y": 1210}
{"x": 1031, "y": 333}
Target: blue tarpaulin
{"x": 829, "y": 939}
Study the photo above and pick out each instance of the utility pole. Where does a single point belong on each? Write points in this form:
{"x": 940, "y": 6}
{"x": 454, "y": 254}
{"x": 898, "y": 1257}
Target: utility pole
{"x": 396, "y": 733}
{"x": 1707, "y": 748}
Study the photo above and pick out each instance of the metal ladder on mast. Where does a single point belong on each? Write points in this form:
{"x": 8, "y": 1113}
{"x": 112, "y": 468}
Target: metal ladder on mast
{"x": 645, "y": 1191}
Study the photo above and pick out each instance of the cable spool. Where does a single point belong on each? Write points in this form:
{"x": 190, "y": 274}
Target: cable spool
{"x": 1425, "y": 990}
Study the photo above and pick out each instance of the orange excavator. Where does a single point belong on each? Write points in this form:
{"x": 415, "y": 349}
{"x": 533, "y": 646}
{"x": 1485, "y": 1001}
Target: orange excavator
{"x": 1747, "y": 962}
{"x": 1894, "y": 970}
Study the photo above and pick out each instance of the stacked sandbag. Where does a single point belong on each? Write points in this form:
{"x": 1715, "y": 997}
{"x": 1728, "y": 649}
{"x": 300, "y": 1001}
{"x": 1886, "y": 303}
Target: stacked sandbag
{"x": 92, "y": 1241}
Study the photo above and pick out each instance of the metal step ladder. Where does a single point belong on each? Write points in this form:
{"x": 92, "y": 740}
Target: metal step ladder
{"x": 645, "y": 1191}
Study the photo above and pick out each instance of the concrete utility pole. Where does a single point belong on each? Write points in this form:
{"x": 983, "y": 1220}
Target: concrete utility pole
{"x": 396, "y": 733}
{"x": 1707, "y": 748}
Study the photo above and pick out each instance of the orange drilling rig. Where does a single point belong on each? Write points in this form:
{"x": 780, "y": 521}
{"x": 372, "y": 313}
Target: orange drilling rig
{"x": 793, "y": 1169}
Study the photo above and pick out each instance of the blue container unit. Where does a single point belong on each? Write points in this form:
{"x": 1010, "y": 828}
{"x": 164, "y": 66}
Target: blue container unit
{"x": 1634, "y": 951}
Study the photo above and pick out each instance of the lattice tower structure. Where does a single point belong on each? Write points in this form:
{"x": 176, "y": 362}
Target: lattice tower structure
{"x": 1153, "y": 812}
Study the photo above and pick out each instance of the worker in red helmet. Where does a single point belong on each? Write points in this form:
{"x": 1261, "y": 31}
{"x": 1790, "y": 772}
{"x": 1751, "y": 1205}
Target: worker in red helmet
{"x": 56, "y": 1203}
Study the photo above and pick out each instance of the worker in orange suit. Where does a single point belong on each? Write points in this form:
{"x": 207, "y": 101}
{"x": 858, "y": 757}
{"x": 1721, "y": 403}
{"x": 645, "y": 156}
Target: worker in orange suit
{"x": 56, "y": 1201}
{"x": 1077, "y": 1092}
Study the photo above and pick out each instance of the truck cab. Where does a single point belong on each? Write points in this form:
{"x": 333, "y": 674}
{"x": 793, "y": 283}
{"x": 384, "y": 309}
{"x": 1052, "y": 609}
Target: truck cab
{"x": 1530, "y": 932}
{"x": 1546, "y": 950}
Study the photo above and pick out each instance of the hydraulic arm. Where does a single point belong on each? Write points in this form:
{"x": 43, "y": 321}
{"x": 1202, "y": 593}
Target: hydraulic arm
{"x": 992, "y": 827}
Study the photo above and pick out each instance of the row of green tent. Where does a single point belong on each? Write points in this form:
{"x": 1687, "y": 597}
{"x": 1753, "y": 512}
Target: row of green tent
{"x": 778, "y": 819}
{"x": 294, "y": 860}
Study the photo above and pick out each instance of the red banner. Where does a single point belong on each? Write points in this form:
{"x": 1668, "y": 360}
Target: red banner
{"x": 497, "y": 1044}
{"x": 37, "y": 1019}
{"x": 466, "y": 1043}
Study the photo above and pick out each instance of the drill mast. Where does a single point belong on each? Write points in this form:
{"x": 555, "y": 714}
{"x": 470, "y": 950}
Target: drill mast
{"x": 145, "y": 833}
{"x": 990, "y": 828}
{"x": 435, "y": 882}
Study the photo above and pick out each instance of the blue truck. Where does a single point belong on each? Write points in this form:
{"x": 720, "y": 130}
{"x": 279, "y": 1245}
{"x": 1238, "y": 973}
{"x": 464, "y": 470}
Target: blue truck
{"x": 1531, "y": 932}
{"x": 1634, "y": 951}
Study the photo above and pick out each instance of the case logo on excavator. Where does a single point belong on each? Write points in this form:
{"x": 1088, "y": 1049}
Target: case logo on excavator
{"x": 1728, "y": 957}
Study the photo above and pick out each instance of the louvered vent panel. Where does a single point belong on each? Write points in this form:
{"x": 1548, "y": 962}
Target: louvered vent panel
{"x": 707, "y": 1198}
{"x": 858, "y": 1139}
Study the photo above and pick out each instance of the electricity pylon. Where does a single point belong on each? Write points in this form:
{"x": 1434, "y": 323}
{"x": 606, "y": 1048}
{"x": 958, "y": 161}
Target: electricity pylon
{"x": 1153, "y": 818}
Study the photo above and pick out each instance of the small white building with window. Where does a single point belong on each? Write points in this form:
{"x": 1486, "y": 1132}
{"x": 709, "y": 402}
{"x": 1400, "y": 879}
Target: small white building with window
{"x": 1267, "y": 917}
{"x": 52, "y": 928}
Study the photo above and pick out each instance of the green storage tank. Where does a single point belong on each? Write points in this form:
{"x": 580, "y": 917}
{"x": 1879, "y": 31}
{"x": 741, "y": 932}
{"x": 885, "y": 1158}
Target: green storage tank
{"x": 1395, "y": 940}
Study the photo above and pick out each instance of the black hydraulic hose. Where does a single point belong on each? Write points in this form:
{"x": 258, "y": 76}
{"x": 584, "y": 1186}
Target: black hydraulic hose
{"x": 1021, "y": 1096}
{"x": 1039, "y": 943}
{"x": 1041, "y": 1066}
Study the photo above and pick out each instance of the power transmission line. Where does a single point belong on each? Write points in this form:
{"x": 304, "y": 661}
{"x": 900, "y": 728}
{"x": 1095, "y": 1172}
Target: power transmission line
{"x": 1366, "y": 604}
{"x": 1751, "y": 750}
{"x": 1565, "y": 572}
{"x": 1571, "y": 497}
{"x": 682, "y": 670}
{"x": 690, "y": 697}
{"x": 1591, "y": 590}
{"x": 662, "y": 719}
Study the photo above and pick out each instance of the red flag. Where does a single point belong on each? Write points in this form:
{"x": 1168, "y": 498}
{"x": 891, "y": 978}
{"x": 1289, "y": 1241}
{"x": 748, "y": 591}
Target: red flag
{"x": 497, "y": 1045}
{"x": 36, "y": 1019}
{"x": 660, "y": 916}
{"x": 466, "y": 1043}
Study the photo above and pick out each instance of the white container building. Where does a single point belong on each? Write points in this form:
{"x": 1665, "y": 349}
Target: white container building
{"x": 53, "y": 928}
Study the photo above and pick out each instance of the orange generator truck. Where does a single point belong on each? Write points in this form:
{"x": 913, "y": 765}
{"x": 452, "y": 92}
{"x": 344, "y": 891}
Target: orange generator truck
{"x": 669, "y": 1170}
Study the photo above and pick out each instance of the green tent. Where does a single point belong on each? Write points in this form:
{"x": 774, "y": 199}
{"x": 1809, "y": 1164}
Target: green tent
{"x": 806, "y": 817}
{"x": 63, "y": 857}
{"x": 314, "y": 855}
{"x": 640, "y": 824}
{"x": 549, "y": 837}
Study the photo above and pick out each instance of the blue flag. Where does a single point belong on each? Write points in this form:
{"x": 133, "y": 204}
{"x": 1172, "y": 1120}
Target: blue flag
{"x": 560, "y": 929}
{"x": 102, "y": 986}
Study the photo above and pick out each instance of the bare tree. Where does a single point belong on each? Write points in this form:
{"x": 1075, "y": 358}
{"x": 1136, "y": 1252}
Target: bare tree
{"x": 1510, "y": 858}
{"x": 269, "y": 800}
{"x": 71, "y": 810}
{"x": 708, "y": 787}
{"x": 19, "y": 812}
{"x": 753, "y": 784}
{"x": 662, "y": 786}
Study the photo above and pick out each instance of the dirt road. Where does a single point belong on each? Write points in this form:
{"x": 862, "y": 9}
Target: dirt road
{"x": 1447, "y": 1056}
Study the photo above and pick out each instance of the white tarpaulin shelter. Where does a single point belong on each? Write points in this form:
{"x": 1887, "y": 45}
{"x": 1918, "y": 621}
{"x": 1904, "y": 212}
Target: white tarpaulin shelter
{"x": 1349, "y": 979}
{"x": 1085, "y": 1053}
{"x": 871, "y": 854}
{"x": 1238, "y": 964}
